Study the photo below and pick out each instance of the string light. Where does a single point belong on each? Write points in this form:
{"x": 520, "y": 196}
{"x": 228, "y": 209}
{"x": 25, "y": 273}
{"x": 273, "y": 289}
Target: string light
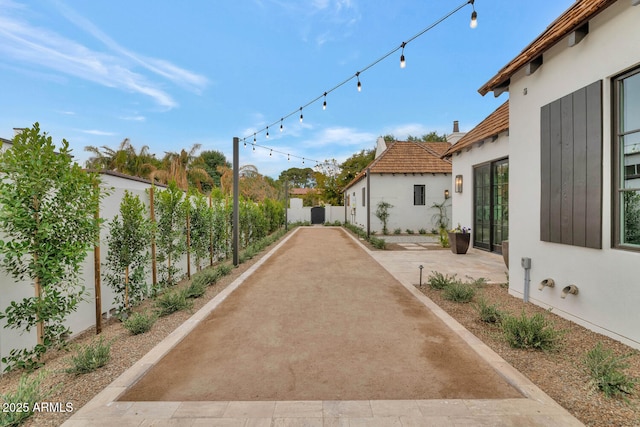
{"x": 271, "y": 152}
{"x": 474, "y": 16}
{"x": 245, "y": 141}
{"x": 323, "y": 96}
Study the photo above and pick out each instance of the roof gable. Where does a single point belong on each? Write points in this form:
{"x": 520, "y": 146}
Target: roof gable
{"x": 496, "y": 123}
{"x": 574, "y": 17}
{"x": 409, "y": 157}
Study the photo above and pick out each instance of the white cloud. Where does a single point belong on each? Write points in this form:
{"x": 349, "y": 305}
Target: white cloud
{"x": 97, "y": 132}
{"x": 341, "y": 137}
{"x": 134, "y": 118}
{"x": 27, "y": 44}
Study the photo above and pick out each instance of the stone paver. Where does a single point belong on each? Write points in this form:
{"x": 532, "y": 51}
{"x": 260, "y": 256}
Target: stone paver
{"x": 535, "y": 410}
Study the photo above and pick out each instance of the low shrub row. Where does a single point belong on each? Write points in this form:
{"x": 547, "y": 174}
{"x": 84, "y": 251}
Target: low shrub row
{"x": 360, "y": 232}
{"x": 604, "y": 368}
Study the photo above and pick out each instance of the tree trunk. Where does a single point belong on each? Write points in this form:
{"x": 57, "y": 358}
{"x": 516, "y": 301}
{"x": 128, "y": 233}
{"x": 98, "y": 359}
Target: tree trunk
{"x": 126, "y": 287}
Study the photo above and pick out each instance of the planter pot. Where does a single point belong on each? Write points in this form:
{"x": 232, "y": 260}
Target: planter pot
{"x": 505, "y": 252}
{"x": 459, "y": 242}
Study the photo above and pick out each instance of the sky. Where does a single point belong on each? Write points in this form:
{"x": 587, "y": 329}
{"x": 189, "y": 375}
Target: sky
{"x": 170, "y": 74}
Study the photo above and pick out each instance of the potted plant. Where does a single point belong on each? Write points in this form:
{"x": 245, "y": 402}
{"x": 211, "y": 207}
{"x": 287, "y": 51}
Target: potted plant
{"x": 459, "y": 239}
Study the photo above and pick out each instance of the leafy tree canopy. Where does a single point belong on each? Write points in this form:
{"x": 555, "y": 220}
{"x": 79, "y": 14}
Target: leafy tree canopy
{"x": 299, "y": 177}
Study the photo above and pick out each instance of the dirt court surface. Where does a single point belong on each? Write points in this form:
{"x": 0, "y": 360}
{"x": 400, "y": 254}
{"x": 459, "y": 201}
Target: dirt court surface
{"x": 320, "y": 320}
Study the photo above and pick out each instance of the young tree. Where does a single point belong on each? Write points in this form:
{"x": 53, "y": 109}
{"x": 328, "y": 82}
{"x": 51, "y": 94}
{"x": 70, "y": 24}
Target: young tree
{"x": 170, "y": 238}
{"x": 383, "y": 214}
{"x": 128, "y": 240}
{"x": 47, "y": 213}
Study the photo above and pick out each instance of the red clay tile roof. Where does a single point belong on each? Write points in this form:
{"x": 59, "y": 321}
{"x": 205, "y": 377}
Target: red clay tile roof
{"x": 409, "y": 157}
{"x": 302, "y": 191}
{"x": 574, "y": 17}
{"x": 496, "y": 123}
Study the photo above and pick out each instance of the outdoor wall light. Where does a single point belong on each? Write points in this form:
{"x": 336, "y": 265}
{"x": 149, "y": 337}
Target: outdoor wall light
{"x": 446, "y": 194}
{"x": 458, "y": 184}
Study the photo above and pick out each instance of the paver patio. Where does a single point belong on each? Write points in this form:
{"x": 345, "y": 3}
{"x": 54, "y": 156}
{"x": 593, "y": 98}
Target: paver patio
{"x": 319, "y": 333}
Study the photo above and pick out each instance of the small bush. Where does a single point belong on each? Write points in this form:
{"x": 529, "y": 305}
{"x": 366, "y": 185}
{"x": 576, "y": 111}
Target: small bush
{"x": 422, "y": 231}
{"x": 223, "y": 270}
{"x": 440, "y": 281}
{"x": 535, "y": 332}
{"x": 139, "y": 323}
{"x": 488, "y": 313}
{"x": 25, "y": 396}
{"x": 196, "y": 289}
{"x": 409, "y": 231}
{"x": 90, "y": 357}
{"x": 397, "y": 231}
{"x": 459, "y": 292}
{"x": 171, "y": 302}
{"x": 606, "y": 371}
{"x": 378, "y": 243}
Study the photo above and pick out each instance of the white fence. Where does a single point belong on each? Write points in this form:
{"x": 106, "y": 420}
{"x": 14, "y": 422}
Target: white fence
{"x": 298, "y": 213}
{"x": 85, "y": 316}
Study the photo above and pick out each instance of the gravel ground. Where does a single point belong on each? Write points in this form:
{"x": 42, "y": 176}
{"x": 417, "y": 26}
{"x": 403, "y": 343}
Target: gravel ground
{"x": 559, "y": 374}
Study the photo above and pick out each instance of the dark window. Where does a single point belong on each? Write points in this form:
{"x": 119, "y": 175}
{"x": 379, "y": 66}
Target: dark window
{"x": 626, "y": 182}
{"x": 571, "y": 168}
{"x": 364, "y": 196}
{"x": 419, "y": 198}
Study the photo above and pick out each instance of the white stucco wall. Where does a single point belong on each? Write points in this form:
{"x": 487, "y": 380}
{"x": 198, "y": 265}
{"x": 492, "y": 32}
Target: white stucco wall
{"x": 398, "y": 190}
{"x": 85, "y": 316}
{"x": 463, "y": 164}
{"x": 609, "y": 294}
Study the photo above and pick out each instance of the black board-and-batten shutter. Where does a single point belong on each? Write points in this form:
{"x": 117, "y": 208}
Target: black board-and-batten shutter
{"x": 571, "y": 168}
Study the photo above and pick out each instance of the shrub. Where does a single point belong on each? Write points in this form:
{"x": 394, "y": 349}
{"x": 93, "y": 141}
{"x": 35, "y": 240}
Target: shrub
{"x": 196, "y": 289}
{"x": 422, "y": 231}
{"x": 459, "y": 292}
{"x": 409, "y": 231}
{"x": 378, "y": 243}
{"x": 223, "y": 270}
{"x": 606, "y": 371}
{"x": 535, "y": 332}
{"x": 440, "y": 281}
{"x": 25, "y": 396}
{"x": 171, "y": 302}
{"x": 397, "y": 231}
{"x": 488, "y": 313}
{"x": 90, "y": 357}
{"x": 139, "y": 323}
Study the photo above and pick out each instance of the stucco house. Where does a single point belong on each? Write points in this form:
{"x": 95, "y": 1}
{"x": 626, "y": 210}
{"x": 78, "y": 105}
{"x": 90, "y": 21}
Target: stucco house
{"x": 409, "y": 175}
{"x": 480, "y": 180}
{"x": 574, "y": 187}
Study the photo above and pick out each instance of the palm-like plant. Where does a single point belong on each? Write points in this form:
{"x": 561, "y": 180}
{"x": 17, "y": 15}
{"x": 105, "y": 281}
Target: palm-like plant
{"x": 183, "y": 168}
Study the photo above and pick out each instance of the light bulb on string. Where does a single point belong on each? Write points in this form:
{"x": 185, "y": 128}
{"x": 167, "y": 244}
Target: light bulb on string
{"x": 474, "y": 16}
{"x": 281, "y": 126}
{"x": 402, "y": 61}
{"x": 267, "y": 132}
{"x": 359, "y": 84}
{"x": 324, "y": 103}
{"x": 288, "y": 158}
{"x": 245, "y": 141}
{"x": 271, "y": 152}
{"x": 303, "y": 160}
{"x": 300, "y": 114}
